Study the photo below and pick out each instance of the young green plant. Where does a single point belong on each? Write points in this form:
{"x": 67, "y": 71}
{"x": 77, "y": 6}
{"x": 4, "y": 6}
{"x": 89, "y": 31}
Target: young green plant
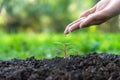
{"x": 64, "y": 45}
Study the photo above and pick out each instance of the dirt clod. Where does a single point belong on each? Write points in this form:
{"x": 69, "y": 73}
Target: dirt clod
{"x": 89, "y": 67}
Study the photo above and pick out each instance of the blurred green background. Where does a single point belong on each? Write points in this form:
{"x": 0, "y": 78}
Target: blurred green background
{"x": 31, "y": 28}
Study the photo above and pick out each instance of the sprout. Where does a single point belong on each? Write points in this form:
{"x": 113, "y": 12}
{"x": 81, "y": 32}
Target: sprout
{"x": 65, "y": 45}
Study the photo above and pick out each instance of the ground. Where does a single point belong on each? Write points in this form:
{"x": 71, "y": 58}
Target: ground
{"x": 89, "y": 67}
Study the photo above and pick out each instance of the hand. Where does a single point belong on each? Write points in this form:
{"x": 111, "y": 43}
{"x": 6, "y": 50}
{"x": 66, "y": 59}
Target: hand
{"x": 101, "y": 12}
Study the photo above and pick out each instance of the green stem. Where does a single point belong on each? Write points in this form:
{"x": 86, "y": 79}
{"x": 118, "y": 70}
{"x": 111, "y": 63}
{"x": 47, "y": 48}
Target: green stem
{"x": 65, "y": 51}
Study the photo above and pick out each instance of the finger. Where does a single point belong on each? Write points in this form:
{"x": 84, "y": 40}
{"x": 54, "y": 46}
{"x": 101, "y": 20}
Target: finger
{"x": 76, "y": 21}
{"x": 90, "y": 20}
{"x": 94, "y": 19}
{"x": 97, "y": 22}
{"x": 74, "y": 27}
{"x": 85, "y": 14}
{"x": 67, "y": 28}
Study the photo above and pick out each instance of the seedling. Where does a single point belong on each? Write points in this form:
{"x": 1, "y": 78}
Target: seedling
{"x": 65, "y": 45}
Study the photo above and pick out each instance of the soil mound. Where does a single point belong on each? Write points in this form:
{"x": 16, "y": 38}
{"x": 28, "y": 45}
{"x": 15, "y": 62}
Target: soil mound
{"x": 89, "y": 67}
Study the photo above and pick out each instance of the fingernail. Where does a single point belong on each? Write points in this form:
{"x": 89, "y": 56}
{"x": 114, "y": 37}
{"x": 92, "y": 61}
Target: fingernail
{"x": 65, "y": 32}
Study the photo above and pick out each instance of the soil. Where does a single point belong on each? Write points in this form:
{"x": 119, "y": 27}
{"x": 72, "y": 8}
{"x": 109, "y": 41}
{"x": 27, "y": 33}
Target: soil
{"x": 89, "y": 67}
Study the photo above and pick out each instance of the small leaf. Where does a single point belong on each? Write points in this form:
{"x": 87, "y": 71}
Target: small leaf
{"x": 67, "y": 44}
{"x": 59, "y": 43}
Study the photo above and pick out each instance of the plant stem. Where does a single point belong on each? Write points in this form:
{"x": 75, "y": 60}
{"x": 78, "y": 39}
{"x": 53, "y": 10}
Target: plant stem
{"x": 65, "y": 51}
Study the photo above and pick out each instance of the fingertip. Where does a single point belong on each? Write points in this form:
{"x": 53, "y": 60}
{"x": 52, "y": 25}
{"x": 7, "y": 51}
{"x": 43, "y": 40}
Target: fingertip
{"x": 71, "y": 29}
{"x": 66, "y": 31}
{"x": 72, "y": 26}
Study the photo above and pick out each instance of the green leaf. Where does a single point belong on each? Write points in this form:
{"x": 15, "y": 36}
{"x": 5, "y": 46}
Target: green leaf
{"x": 67, "y": 44}
{"x": 59, "y": 43}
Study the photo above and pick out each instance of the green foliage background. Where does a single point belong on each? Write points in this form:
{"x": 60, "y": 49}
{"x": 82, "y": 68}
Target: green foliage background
{"x": 43, "y": 45}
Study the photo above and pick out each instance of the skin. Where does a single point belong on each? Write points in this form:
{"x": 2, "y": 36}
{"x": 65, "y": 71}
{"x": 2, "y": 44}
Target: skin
{"x": 101, "y": 12}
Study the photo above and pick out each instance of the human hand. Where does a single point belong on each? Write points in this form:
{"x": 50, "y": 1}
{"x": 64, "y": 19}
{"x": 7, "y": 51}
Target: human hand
{"x": 101, "y": 12}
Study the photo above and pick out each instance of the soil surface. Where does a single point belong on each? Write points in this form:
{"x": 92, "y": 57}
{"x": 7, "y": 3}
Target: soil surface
{"x": 89, "y": 67}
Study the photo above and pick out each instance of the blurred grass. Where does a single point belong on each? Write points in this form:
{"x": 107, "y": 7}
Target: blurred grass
{"x": 43, "y": 45}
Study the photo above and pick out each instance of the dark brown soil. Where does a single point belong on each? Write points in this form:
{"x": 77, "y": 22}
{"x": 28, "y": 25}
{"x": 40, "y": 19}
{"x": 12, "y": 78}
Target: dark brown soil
{"x": 89, "y": 67}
